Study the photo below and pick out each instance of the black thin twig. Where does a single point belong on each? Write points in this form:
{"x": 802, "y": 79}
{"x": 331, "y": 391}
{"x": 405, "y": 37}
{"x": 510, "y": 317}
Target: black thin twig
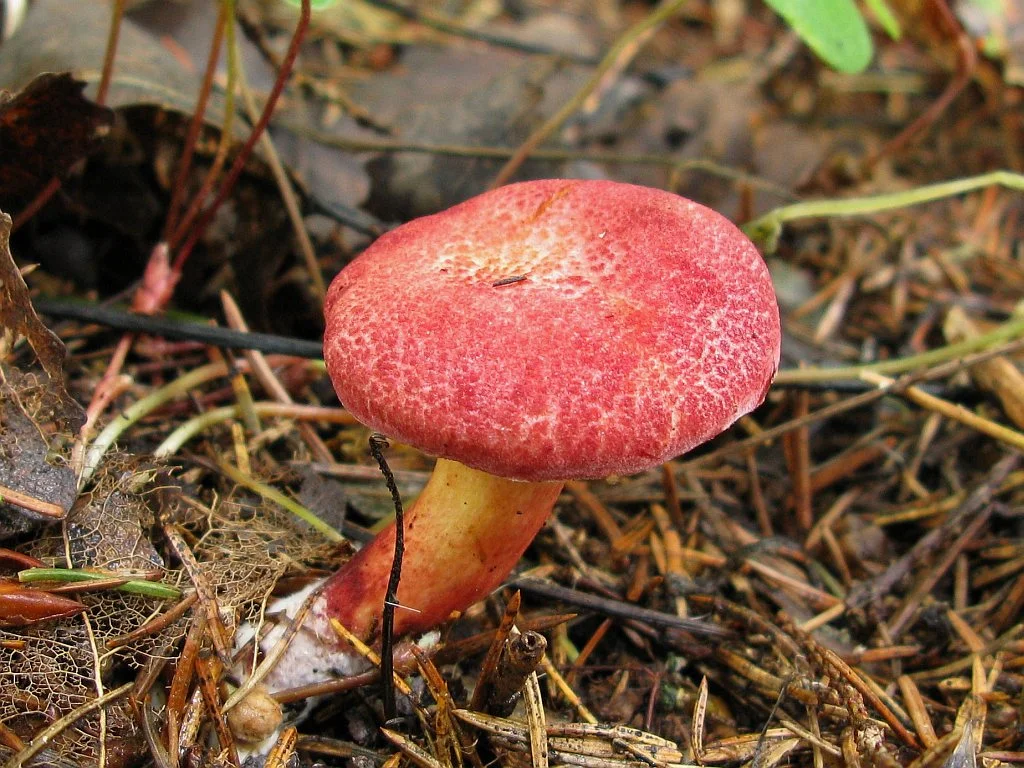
{"x": 387, "y": 660}
{"x": 227, "y": 338}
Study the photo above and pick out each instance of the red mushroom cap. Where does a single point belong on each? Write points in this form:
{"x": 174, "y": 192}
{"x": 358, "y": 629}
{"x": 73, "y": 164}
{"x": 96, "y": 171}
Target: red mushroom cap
{"x": 555, "y": 329}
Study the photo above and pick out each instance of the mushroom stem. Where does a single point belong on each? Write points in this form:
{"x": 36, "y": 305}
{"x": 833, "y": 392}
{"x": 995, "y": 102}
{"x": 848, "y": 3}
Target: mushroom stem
{"x": 463, "y": 535}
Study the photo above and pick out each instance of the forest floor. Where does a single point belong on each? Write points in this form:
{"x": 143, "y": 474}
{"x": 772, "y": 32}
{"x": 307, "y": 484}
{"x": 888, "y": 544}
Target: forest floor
{"x": 852, "y": 552}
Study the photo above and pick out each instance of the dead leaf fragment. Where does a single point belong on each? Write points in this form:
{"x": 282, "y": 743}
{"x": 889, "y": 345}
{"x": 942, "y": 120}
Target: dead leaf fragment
{"x": 44, "y": 130}
{"x": 35, "y": 411}
{"x": 474, "y": 103}
{"x": 19, "y": 318}
{"x": 109, "y": 526}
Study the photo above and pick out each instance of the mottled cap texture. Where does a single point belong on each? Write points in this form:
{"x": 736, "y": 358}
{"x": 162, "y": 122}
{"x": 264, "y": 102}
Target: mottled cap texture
{"x": 555, "y": 329}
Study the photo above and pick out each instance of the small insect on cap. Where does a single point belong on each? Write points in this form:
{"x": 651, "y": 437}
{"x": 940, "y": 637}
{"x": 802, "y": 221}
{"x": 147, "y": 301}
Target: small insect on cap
{"x": 555, "y": 329}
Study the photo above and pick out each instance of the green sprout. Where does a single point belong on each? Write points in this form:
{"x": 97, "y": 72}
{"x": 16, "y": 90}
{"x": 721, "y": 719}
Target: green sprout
{"x": 68, "y": 575}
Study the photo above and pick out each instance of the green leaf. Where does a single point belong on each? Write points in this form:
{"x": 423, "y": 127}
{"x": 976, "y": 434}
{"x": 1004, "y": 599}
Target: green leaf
{"x": 885, "y": 17}
{"x": 834, "y": 29}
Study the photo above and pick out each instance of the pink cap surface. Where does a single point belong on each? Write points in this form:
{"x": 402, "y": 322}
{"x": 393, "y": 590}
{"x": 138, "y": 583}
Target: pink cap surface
{"x": 641, "y": 324}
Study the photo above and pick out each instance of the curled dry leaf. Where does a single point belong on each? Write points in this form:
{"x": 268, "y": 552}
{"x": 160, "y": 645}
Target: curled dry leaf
{"x": 19, "y": 318}
{"x": 30, "y": 405}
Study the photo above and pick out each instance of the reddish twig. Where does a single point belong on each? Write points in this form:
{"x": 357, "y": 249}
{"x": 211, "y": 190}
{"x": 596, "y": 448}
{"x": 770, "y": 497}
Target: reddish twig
{"x": 178, "y": 190}
{"x": 26, "y": 501}
{"x": 110, "y": 53}
{"x": 243, "y": 156}
{"x": 966, "y": 65}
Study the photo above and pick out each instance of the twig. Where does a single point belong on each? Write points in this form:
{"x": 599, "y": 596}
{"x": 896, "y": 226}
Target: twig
{"x": 270, "y": 382}
{"x": 416, "y": 754}
{"x": 246, "y": 151}
{"x": 536, "y": 722}
{"x": 917, "y": 711}
{"x": 207, "y": 594}
{"x": 172, "y": 328}
{"x": 1011, "y": 437}
{"x": 857, "y": 401}
{"x": 195, "y": 124}
{"x": 209, "y": 671}
{"x": 363, "y": 144}
{"x": 173, "y": 237}
{"x": 25, "y": 501}
{"x": 387, "y": 661}
{"x": 966, "y": 65}
{"x": 284, "y": 186}
{"x": 616, "y": 608}
{"x": 156, "y": 624}
{"x": 452, "y": 27}
{"x": 36, "y": 204}
{"x": 898, "y": 625}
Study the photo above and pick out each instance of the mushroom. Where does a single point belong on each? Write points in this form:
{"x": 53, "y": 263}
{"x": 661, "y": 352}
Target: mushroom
{"x": 543, "y": 331}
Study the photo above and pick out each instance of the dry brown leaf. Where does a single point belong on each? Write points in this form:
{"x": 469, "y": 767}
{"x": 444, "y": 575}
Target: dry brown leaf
{"x": 44, "y": 130}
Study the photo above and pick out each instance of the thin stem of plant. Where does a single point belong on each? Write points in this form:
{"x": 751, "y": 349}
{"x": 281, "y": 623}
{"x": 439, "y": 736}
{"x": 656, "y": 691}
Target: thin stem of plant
{"x": 196, "y": 123}
{"x": 387, "y": 661}
{"x": 1008, "y": 332}
{"x": 195, "y": 207}
{"x": 246, "y": 151}
{"x": 284, "y": 186}
{"x": 198, "y": 424}
{"x": 272, "y": 494}
{"x": 138, "y": 410}
{"x": 766, "y": 229}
